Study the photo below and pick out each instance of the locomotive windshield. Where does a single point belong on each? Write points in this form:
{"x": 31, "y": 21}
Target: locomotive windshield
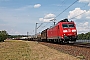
{"x": 71, "y": 25}
{"x": 68, "y": 25}
{"x": 65, "y": 25}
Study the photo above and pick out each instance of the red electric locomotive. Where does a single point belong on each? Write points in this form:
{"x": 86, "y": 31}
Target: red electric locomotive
{"x": 63, "y": 31}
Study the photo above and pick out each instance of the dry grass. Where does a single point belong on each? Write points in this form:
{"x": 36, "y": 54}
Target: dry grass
{"x": 29, "y": 50}
{"x": 14, "y": 50}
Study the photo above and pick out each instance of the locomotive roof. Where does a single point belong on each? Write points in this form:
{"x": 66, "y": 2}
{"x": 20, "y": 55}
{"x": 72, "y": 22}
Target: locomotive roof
{"x": 62, "y": 21}
{"x": 65, "y": 21}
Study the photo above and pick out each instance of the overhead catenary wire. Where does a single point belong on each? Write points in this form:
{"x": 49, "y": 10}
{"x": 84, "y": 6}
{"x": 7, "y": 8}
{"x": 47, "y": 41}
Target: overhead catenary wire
{"x": 84, "y": 5}
{"x": 62, "y": 13}
{"x": 39, "y": 25}
{"x": 79, "y": 14}
{"x": 51, "y": 19}
{"x": 44, "y": 26}
{"x": 66, "y": 9}
{"x": 61, "y": 3}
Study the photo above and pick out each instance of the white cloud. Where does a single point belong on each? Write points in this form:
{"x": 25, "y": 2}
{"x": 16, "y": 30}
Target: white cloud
{"x": 45, "y": 20}
{"x": 89, "y": 4}
{"x": 47, "y": 17}
{"x": 85, "y": 1}
{"x": 83, "y": 20}
{"x": 37, "y": 5}
{"x": 83, "y": 27}
{"x": 86, "y": 24}
{"x": 29, "y": 6}
{"x": 88, "y": 13}
{"x": 77, "y": 13}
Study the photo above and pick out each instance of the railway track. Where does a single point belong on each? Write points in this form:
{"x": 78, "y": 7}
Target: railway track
{"x": 80, "y": 50}
{"x": 84, "y": 45}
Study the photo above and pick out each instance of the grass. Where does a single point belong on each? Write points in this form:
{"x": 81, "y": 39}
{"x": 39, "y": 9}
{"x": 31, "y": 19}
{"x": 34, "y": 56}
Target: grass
{"x": 29, "y": 50}
{"x": 81, "y": 57}
{"x": 14, "y": 50}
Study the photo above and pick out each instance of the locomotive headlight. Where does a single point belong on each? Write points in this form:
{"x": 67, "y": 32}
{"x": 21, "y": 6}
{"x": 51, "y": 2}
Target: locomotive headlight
{"x": 64, "y": 34}
{"x": 73, "y": 30}
{"x": 65, "y": 31}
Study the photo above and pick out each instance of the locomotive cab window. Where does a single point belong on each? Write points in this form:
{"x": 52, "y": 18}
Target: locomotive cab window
{"x": 71, "y": 25}
{"x": 67, "y": 25}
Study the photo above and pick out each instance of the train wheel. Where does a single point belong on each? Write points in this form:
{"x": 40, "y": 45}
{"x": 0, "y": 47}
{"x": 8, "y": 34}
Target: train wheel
{"x": 55, "y": 40}
{"x": 58, "y": 40}
{"x": 62, "y": 42}
{"x": 66, "y": 42}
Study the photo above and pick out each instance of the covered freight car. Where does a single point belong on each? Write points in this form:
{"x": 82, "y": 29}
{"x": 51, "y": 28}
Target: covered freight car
{"x": 44, "y": 35}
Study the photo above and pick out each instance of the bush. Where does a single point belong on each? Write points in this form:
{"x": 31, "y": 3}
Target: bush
{"x": 3, "y": 35}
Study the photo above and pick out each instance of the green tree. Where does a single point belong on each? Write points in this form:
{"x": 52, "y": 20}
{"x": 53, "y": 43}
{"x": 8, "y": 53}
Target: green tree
{"x": 83, "y": 36}
{"x": 3, "y": 35}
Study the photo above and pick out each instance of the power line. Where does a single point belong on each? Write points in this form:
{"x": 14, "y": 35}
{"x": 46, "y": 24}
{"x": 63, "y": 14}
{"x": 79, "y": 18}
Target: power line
{"x": 66, "y": 8}
{"x": 39, "y": 25}
{"x": 84, "y": 5}
{"x": 63, "y": 1}
{"x": 61, "y": 4}
{"x": 79, "y": 14}
{"x": 76, "y": 16}
{"x": 45, "y": 25}
{"x": 63, "y": 10}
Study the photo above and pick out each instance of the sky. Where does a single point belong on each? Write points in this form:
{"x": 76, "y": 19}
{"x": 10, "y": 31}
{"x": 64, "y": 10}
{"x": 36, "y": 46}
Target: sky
{"x": 18, "y": 17}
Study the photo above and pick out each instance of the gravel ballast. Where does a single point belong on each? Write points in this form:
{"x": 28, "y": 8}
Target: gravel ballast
{"x": 80, "y": 52}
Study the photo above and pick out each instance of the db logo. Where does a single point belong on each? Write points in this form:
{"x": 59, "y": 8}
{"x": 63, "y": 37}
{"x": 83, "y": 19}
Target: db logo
{"x": 69, "y": 30}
